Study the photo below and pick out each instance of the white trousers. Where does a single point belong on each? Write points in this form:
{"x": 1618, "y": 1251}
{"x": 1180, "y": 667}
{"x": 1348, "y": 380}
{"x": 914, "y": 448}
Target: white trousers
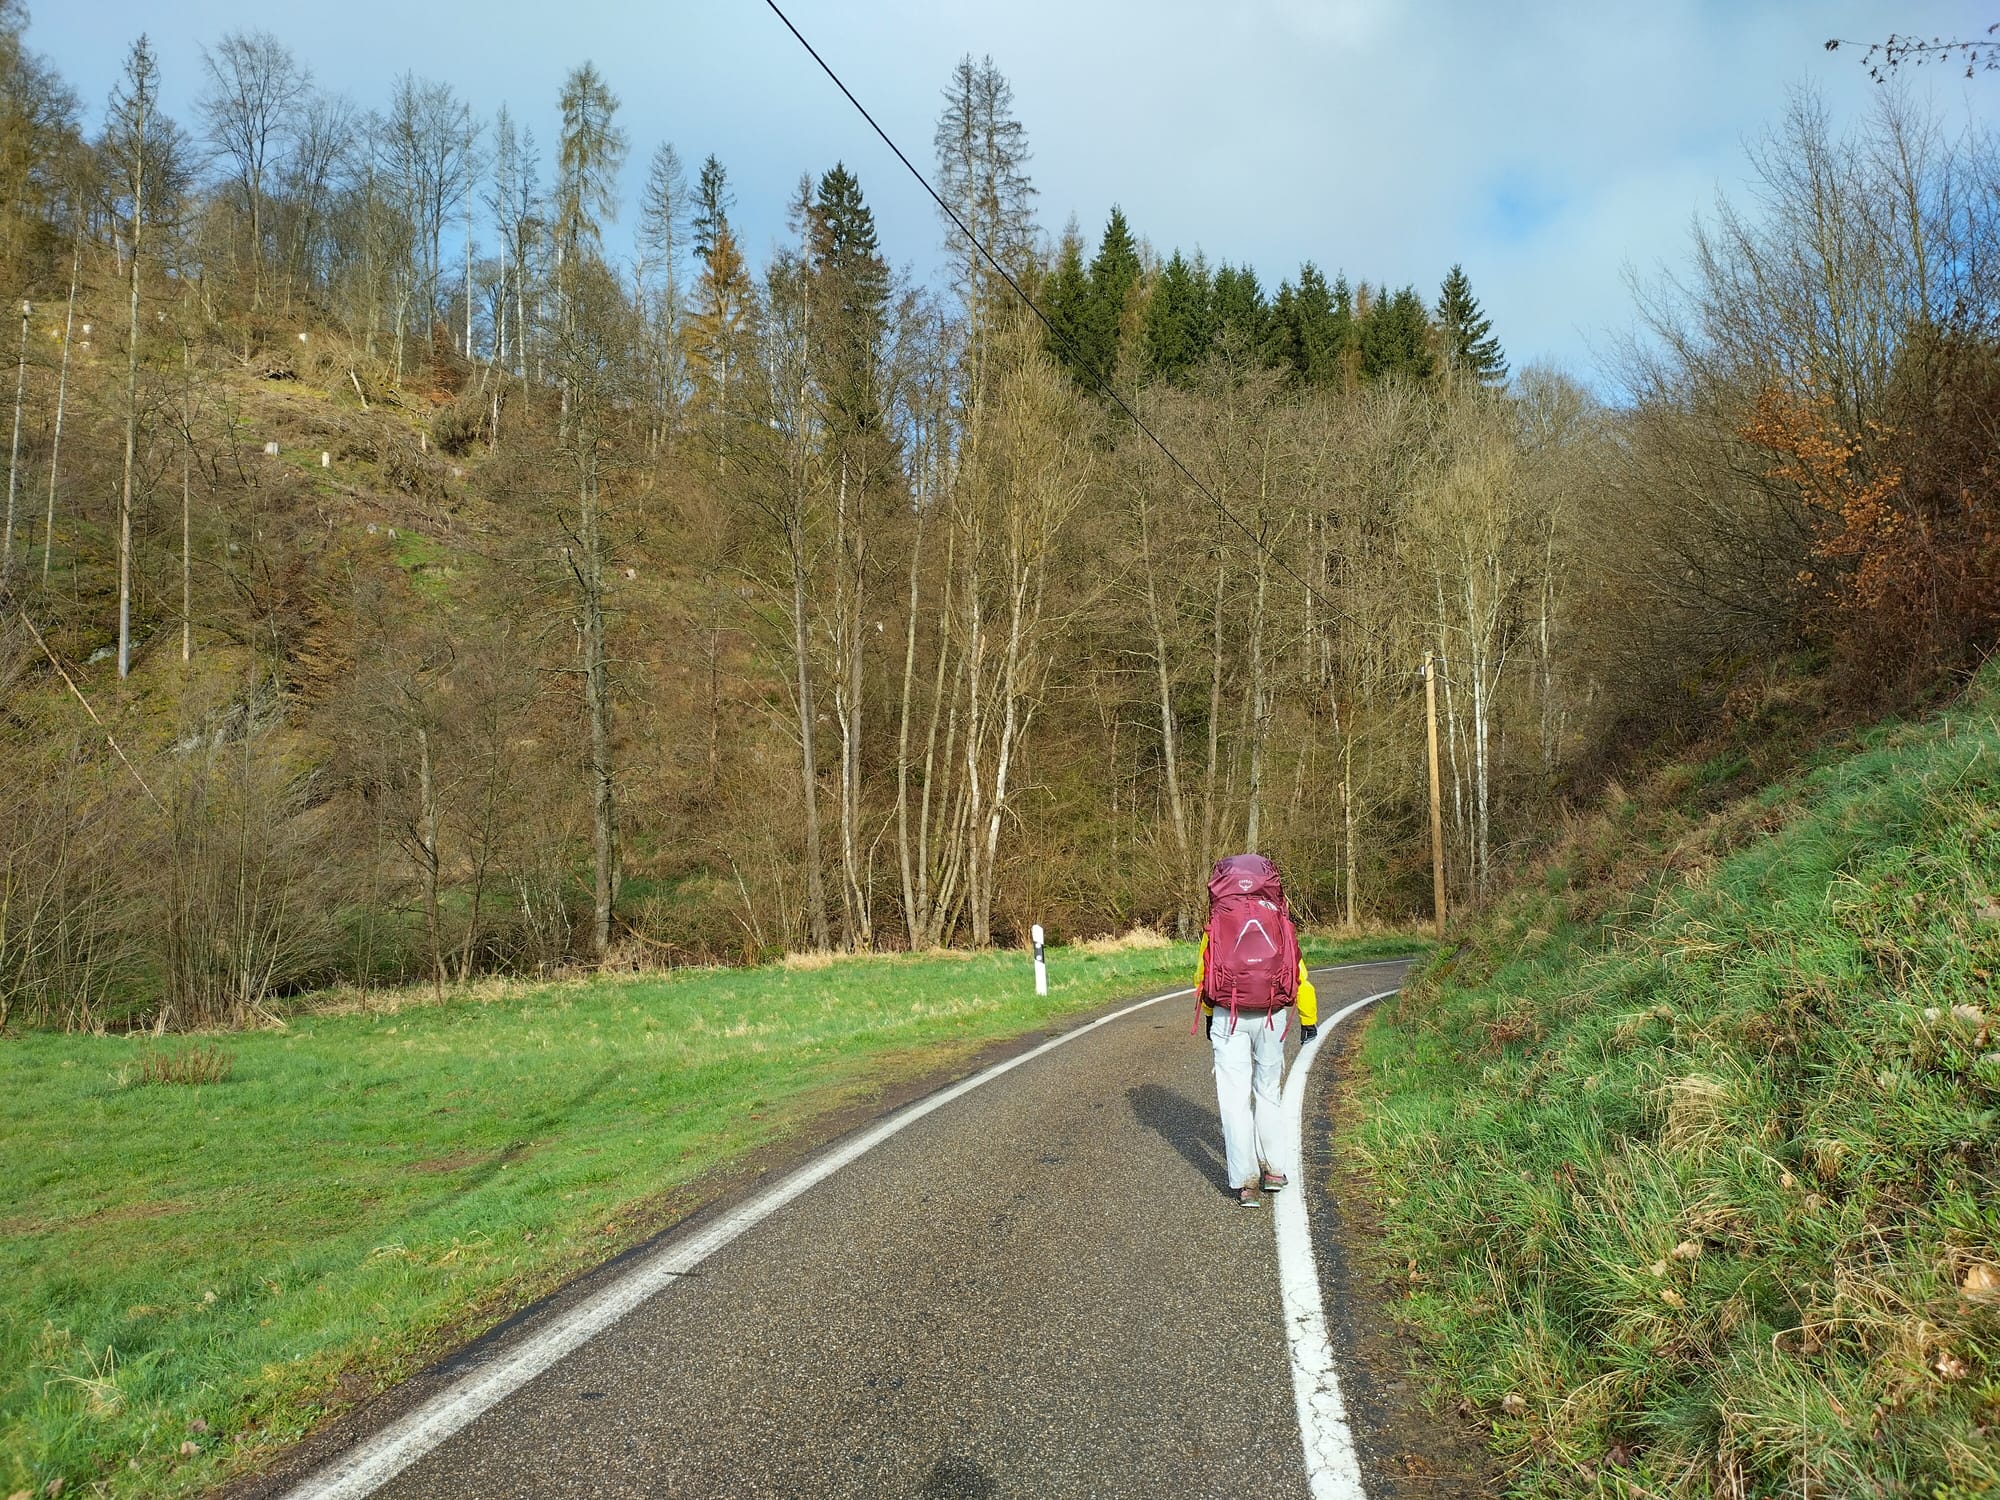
{"x": 1249, "y": 1067}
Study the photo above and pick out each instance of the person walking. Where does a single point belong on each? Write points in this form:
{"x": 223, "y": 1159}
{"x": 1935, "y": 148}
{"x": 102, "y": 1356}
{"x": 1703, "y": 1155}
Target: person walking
{"x": 1249, "y": 978}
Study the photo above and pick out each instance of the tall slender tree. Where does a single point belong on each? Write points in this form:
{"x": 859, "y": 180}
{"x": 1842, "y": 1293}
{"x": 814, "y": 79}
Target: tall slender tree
{"x": 850, "y": 288}
{"x": 131, "y": 141}
{"x": 591, "y": 150}
{"x": 661, "y": 284}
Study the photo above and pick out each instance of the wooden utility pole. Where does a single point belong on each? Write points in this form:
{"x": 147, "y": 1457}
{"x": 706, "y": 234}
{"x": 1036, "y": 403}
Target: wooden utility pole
{"x": 1437, "y": 810}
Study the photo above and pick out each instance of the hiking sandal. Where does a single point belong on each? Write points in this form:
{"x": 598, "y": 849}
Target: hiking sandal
{"x": 1248, "y": 1197}
{"x": 1272, "y": 1181}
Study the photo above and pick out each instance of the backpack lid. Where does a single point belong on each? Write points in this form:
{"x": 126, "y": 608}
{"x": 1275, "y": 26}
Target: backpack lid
{"x": 1244, "y": 875}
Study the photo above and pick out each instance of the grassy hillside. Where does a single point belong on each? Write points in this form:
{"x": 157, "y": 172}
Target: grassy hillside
{"x": 218, "y": 1260}
{"x": 1693, "y": 1149}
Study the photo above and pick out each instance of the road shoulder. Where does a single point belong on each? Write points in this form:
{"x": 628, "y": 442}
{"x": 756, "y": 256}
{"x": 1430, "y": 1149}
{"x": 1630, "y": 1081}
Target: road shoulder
{"x": 1408, "y": 1450}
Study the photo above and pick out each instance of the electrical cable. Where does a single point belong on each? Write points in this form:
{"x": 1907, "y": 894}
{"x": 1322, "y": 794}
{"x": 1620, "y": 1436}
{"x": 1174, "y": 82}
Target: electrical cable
{"x": 1102, "y": 383}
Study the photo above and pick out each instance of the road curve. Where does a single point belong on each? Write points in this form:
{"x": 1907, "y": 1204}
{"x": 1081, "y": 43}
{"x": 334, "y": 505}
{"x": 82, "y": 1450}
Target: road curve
{"x": 1038, "y": 1289}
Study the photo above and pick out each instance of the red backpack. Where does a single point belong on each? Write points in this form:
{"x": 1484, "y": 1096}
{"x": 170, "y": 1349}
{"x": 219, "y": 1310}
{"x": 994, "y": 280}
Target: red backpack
{"x": 1253, "y": 950}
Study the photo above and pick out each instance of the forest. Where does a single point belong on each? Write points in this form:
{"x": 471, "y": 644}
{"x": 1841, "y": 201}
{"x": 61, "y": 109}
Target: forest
{"x": 402, "y": 584}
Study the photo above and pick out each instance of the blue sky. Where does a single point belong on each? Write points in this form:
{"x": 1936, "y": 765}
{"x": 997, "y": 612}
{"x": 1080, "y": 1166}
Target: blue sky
{"x": 1546, "y": 146}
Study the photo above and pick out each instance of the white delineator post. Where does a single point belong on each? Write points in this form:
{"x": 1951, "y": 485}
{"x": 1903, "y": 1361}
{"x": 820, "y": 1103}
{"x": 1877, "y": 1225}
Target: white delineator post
{"x": 1041, "y": 962}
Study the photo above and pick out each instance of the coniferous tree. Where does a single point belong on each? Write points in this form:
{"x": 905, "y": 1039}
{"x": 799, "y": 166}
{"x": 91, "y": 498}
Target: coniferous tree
{"x": 712, "y": 202}
{"x": 1066, "y": 301}
{"x": 1346, "y": 331}
{"x": 130, "y": 145}
{"x": 1113, "y": 274}
{"x": 1177, "y": 327}
{"x": 982, "y": 162}
{"x": 1396, "y": 339}
{"x": 592, "y": 151}
{"x": 852, "y": 281}
{"x": 1470, "y": 350}
{"x": 1309, "y": 331}
{"x": 850, "y": 293}
{"x": 1242, "y": 316}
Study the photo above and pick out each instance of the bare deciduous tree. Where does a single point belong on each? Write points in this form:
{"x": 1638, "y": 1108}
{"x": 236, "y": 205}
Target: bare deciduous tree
{"x": 250, "y": 108}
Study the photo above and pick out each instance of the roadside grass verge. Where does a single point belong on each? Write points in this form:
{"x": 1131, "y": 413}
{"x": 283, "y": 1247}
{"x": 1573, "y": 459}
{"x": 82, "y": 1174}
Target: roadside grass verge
{"x": 1692, "y": 1150}
{"x": 208, "y": 1244}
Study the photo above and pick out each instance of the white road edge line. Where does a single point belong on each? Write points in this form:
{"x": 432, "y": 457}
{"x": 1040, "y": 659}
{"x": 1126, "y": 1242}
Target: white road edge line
{"x": 381, "y": 1456}
{"x": 1332, "y": 1465}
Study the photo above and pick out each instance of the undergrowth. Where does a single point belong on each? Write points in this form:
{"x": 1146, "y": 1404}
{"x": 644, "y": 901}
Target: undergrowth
{"x": 1691, "y": 1148}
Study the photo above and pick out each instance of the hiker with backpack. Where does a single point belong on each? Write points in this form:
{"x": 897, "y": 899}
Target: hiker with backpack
{"x": 1249, "y": 979}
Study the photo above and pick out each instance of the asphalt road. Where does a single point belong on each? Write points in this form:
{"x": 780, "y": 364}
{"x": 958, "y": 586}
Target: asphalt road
{"x": 1041, "y": 1289}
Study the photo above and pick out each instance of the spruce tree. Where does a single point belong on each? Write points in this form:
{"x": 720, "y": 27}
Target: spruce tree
{"x": 1309, "y": 331}
{"x": 851, "y": 282}
{"x": 1242, "y": 316}
{"x": 1346, "y": 334}
{"x": 1470, "y": 350}
{"x": 712, "y": 202}
{"x": 1396, "y": 339}
{"x": 1066, "y": 303}
{"x": 1176, "y": 332}
{"x": 1113, "y": 274}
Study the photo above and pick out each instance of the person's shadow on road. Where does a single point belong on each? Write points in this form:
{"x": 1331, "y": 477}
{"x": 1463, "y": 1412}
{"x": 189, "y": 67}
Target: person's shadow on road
{"x": 1193, "y": 1131}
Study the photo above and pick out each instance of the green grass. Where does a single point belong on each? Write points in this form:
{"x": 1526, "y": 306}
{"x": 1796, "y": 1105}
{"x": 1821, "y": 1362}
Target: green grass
{"x": 1694, "y": 1153}
{"x": 221, "y": 1264}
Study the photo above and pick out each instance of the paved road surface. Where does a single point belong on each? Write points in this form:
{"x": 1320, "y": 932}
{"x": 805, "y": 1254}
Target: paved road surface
{"x": 1039, "y": 1290}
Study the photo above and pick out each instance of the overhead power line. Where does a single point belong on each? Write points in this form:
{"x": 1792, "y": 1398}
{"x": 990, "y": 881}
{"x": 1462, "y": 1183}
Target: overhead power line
{"x": 1056, "y": 333}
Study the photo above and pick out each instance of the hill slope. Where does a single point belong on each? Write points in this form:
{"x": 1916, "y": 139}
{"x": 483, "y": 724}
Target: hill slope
{"x": 1691, "y": 1148}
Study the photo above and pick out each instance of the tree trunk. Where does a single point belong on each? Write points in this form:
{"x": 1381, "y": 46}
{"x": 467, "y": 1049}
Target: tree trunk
{"x": 14, "y": 452}
{"x": 597, "y": 692}
{"x": 903, "y": 849}
{"x": 1260, "y": 713}
{"x": 714, "y": 684}
{"x": 187, "y": 504}
{"x": 849, "y": 544}
{"x": 62, "y": 393}
{"x": 934, "y": 901}
{"x": 1214, "y": 726}
{"x": 1352, "y": 865}
{"x": 427, "y": 845}
{"x": 975, "y": 706}
{"x": 131, "y": 418}
{"x": 1169, "y": 730}
{"x": 808, "y": 760}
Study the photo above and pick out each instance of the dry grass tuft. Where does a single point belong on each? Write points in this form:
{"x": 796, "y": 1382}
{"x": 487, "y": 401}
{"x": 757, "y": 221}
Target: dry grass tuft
{"x": 1137, "y": 938}
{"x": 206, "y": 1063}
